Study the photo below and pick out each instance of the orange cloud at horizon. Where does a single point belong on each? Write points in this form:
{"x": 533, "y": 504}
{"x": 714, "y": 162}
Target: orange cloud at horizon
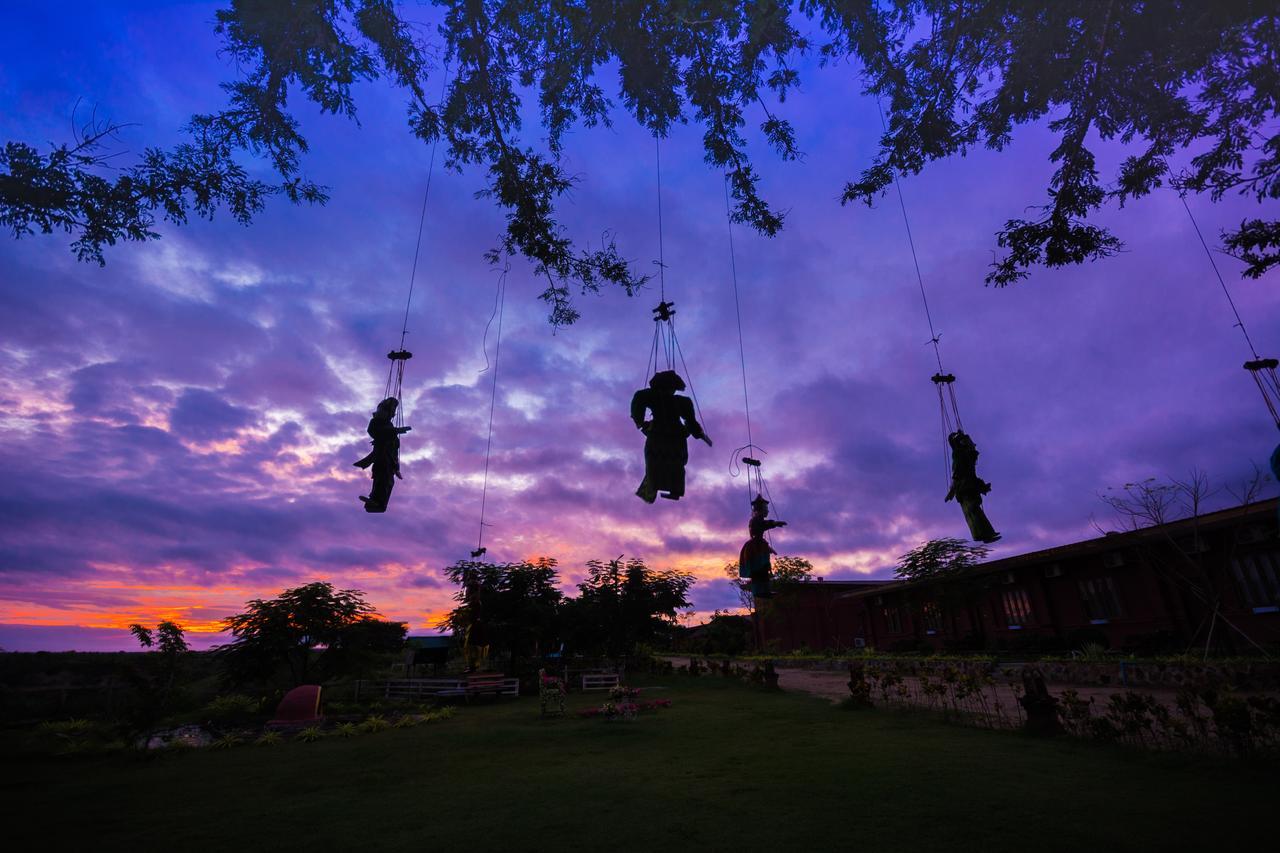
{"x": 198, "y": 609}
{"x": 119, "y": 595}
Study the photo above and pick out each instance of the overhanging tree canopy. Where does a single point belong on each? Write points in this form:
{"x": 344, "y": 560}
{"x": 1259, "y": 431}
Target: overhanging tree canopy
{"x": 1164, "y": 77}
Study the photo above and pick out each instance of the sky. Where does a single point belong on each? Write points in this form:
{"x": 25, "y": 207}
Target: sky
{"x": 177, "y": 427}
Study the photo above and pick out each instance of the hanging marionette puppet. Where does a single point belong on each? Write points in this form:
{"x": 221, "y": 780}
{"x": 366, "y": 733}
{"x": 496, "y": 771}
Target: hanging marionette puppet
{"x": 666, "y": 446}
{"x": 967, "y": 488}
{"x": 753, "y": 559}
{"x": 385, "y": 456}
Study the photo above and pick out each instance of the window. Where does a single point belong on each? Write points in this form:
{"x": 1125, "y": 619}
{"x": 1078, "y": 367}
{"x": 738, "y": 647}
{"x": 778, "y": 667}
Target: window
{"x": 931, "y": 613}
{"x": 1113, "y": 559}
{"x": 1252, "y": 533}
{"x": 1017, "y": 607}
{"x": 893, "y": 619}
{"x": 1193, "y": 544}
{"x": 1101, "y": 602}
{"x": 1258, "y": 578}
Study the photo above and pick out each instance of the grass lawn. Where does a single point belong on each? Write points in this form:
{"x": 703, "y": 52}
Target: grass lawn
{"x": 726, "y": 768}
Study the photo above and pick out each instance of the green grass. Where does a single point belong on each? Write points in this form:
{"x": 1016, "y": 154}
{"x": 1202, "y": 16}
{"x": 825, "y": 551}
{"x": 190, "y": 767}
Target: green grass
{"x": 726, "y": 768}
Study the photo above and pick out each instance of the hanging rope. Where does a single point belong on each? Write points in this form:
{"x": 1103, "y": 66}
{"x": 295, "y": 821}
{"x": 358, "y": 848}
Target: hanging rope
{"x": 1263, "y": 370}
{"x": 948, "y": 408}
{"x": 499, "y": 302}
{"x": 395, "y": 375}
{"x": 662, "y": 266}
{"x": 665, "y": 348}
{"x": 746, "y": 456}
{"x": 737, "y": 311}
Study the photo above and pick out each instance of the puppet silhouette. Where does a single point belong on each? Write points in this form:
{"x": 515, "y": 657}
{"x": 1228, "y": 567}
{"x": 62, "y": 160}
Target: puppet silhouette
{"x": 967, "y": 488}
{"x": 385, "y": 456}
{"x": 753, "y": 559}
{"x": 666, "y": 447}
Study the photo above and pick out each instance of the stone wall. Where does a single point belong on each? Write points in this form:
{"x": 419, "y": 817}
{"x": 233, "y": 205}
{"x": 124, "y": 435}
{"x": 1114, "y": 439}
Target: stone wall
{"x": 1234, "y": 675}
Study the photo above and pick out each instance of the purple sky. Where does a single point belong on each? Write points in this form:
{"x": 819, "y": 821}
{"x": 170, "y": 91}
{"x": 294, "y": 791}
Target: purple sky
{"x": 177, "y": 428}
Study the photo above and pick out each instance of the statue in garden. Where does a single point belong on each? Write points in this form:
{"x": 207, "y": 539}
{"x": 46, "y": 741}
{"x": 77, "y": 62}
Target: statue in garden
{"x": 666, "y": 448}
{"x": 551, "y": 690}
{"x": 859, "y": 689}
{"x": 770, "y": 676}
{"x": 1041, "y": 707}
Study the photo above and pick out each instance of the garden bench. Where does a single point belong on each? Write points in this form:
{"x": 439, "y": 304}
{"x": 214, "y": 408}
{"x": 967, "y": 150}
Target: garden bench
{"x": 599, "y": 681}
{"x": 492, "y": 684}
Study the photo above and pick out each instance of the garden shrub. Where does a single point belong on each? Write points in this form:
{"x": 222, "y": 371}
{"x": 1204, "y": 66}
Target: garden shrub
{"x": 232, "y": 708}
{"x": 374, "y": 723}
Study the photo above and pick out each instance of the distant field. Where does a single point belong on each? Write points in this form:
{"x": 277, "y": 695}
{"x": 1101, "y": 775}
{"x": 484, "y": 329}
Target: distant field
{"x": 726, "y": 768}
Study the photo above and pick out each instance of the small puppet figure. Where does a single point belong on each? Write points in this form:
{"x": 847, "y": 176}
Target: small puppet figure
{"x": 967, "y": 489}
{"x": 385, "y": 456}
{"x": 753, "y": 559}
{"x": 666, "y": 447}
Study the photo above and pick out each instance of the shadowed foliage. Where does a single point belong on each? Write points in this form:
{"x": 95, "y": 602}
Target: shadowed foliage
{"x": 517, "y": 608}
{"x": 622, "y": 604}
{"x": 938, "y": 558}
{"x": 1159, "y": 78}
{"x": 786, "y": 570}
{"x": 314, "y": 630}
{"x": 511, "y": 607}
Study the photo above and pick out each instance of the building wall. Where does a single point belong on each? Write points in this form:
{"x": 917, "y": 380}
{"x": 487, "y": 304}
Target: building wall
{"x": 1150, "y": 592}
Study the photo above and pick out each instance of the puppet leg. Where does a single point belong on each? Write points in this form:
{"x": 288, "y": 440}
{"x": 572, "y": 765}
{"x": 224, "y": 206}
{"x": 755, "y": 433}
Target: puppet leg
{"x": 383, "y": 483}
{"x": 979, "y": 525}
{"x": 676, "y": 456}
{"x": 647, "y": 492}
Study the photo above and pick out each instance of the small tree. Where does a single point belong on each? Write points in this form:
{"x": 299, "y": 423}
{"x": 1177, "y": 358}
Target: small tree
{"x": 171, "y": 643}
{"x": 939, "y": 558}
{"x": 724, "y": 633}
{"x": 621, "y": 605}
{"x": 1183, "y": 560}
{"x": 507, "y": 606}
{"x": 143, "y": 634}
{"x": 946, "y": 558}
{"x": 787, "y": 571}
{"x": 311, "y": 629}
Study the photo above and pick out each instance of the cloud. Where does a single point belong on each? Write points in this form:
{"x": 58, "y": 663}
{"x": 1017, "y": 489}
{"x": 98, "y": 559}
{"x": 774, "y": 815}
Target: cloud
{"x": 205, "y": 416}
{"x": 179, "y": 426}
